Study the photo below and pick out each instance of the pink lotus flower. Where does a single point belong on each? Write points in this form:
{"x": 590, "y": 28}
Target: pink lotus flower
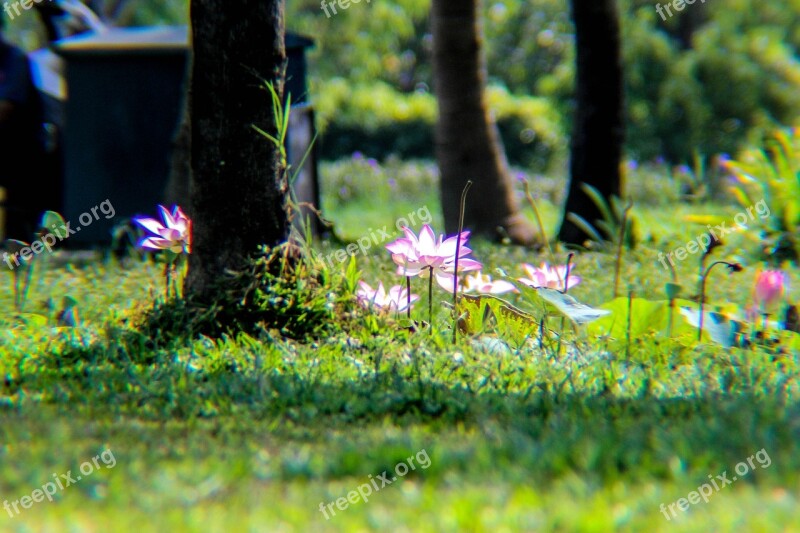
{"x": 483, "y": 284}
{"x": 175, "y": 234}
{"x": 427, "y": 254}
{"x": 396, "y": 300}
{"x": 547, "y": 276}
{"x": 769, "y": 288}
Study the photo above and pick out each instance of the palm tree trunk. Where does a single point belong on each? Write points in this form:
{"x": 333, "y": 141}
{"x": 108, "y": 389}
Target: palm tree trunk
{"x": 180, "y": 172}
{"x": 238, "y": 191}
{"x": 468, "y": 145}
{"x": 598, "y": 128}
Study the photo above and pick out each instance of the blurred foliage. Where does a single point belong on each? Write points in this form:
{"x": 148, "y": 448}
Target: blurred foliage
{"x": 707, "y": 80}
{"x": 153, "y": 12}
{"x": 27, "y": 30}
{"x": 358, "y": 179}
{"x": 375, "y": 119}
{"x": 772, "y": 176}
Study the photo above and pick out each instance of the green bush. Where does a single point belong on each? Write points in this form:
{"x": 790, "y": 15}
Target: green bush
{"x": 735, "y": 80}
{"x": 771, "y": 175}
{"x": 746, "y": 86}
{"x": 378, "y": 121}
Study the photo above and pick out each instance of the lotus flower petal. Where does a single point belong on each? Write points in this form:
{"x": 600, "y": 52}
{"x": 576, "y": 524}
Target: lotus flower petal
{"x": 428, "y": 254}
{"x": 770, "y": 286}
{"x": 395, "y": 300}
{"x": 173, "y": 234}
{"x": 483, "y": 284}
{"x": 547, "y": 276}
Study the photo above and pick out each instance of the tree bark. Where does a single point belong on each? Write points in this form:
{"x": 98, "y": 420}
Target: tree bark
{"x": 180, "y": 171}
{"x": 689, "y": 22}
{"x": 468, "y": 145}
{"x": 598, "y": 127}
{"x": 238, "y": 192}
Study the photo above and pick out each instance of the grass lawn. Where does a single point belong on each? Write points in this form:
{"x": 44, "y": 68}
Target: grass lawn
{"x": 258, "y": 432}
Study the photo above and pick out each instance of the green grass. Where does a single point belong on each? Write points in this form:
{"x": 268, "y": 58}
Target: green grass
{"x": 253, "y": 432}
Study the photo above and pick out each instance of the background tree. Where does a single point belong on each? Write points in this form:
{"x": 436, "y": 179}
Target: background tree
{"x": 238, "y": 192}
{"x": 598, "y": 130}
{"x": 468, "y": 145}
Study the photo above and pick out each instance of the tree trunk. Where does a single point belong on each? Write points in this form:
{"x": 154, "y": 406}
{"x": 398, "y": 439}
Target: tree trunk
{"x": 180, "y": 171}
{"x": 238, "y": 191}
{"x": 598, "y": 130}
{"x": 689, "y": 22}
{"x": 468, "y": 145}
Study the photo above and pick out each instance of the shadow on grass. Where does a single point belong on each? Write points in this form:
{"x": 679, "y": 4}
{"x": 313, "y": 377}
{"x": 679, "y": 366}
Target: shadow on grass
{"x": 530, "y": 432}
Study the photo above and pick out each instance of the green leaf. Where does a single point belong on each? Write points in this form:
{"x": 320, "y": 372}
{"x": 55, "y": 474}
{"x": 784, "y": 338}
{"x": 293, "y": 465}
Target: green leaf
{"x": 569, "y": 307}
{"x": 68, "y": 302}
{"x": 599, "y": 201}
{"x": 741, "y": 196}
{"x": 646, "y": 316}
{"x": 51, "y": 219}
{"x": 352, "y": 274}
{"x": 483, "y": 313}
{"x": 474, "y": 313}
{"x": 285, "y": 124}
{"x": 293, "y": 177}
{"x": 585, "y": 226}
{"x": 267, "y": 135}
{"x": 672, "y": 290}
{"x": 606, "y": 228}
{"x": 32, "y": 319}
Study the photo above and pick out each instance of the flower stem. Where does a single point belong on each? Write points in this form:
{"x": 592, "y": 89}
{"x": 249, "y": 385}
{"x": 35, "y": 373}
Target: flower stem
{"x": 408, "y": 297}
{"x": 621, "y": 238}
{"x": 566, "y": 276}
{"x": 734, "y": 267}
{"x": 462, "y": 207}
{"x": 532, "y": 203}
{"x": 167, "y": 271}
{"x": 628, "y": 329}
{"x": 702, "y": 304}
{"x": 671, "y": 299}
{"x": 17, "y": 294}
{"x": 430, "y": 300}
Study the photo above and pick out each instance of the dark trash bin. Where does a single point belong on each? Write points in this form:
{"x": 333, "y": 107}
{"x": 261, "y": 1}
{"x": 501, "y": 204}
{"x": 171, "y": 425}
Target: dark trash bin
{"x": 124, "y": 100}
